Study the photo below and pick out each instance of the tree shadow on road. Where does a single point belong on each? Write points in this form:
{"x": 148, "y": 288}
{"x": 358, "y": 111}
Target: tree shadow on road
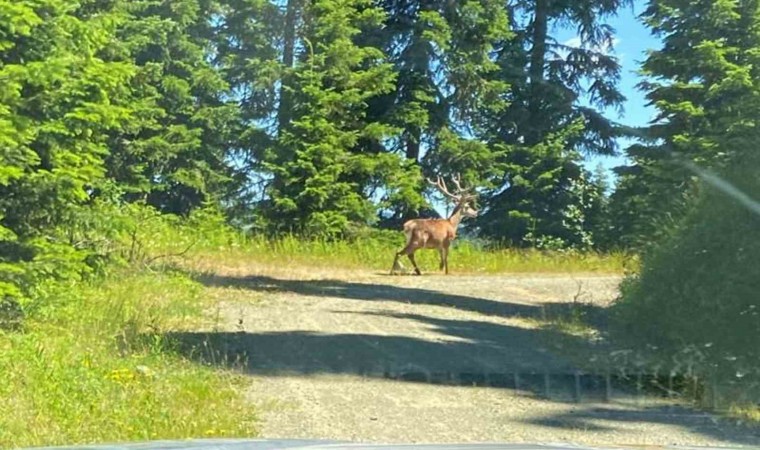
{"x": 478, "y": 358}
{"x": 593, "y": 315}
{"x": 723, "y": 428}
{"x": 455, "y": 347}
{"x": 530, "y": 361}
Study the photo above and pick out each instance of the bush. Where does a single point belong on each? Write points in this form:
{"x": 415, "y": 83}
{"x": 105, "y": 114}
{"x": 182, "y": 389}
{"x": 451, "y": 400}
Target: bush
{"x": 102, "y": 236}
{"x": 697, "y": 291}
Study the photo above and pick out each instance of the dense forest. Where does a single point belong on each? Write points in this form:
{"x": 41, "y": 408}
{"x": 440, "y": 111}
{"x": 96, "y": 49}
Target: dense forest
{"x": 321, "y": 117}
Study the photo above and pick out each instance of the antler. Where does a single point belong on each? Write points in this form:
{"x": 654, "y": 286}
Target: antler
{"x": 457, "y": 181}
{"x": 441, "y": 185}
{"x": 461, "y": 194}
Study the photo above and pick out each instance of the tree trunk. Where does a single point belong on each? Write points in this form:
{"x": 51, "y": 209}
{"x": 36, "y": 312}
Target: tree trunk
{"x": 284, "y": 112}
{"x": 536, "y": 71}
{"x": 413, "y": 145}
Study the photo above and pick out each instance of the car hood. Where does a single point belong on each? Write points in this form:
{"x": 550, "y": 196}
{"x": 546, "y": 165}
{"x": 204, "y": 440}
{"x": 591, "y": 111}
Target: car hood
{"x": 298, "y": 444}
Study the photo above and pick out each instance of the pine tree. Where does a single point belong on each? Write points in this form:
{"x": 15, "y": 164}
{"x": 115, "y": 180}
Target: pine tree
{"x": 245, "y": 39}
{"x": 705, "y": 84}
{"x": 61, "y": 97}
{"x": 697, "y": 286}
{"x": 547, "y": 127}
{"x": 443, "y": 54}
{"x": 174, "y": 155}
{"x": 323, "y": 164}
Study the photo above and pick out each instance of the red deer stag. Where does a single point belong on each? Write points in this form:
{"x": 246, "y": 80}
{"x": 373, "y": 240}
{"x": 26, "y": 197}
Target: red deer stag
{"x": 437, "y": 233}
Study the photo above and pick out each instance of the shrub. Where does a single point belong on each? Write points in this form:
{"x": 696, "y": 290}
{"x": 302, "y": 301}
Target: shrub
{"x": 697, "y": 291}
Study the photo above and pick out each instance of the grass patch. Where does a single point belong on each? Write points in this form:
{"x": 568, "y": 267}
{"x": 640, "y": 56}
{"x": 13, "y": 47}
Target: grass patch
{"x": 376, "y": 253}
{"x": 748, "y": 413}
{"x": 82, "y": 370}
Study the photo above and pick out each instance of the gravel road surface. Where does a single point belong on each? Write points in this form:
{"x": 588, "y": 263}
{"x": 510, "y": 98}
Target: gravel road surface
{"x": 367, "y": 357}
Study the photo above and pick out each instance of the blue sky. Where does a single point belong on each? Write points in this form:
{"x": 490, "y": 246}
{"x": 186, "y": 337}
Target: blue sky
{"x": 633, "y": 39}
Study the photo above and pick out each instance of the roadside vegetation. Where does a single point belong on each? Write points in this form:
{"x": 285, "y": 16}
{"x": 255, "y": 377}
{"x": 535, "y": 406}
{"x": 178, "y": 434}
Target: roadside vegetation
{"x": 78, "y": 360}
{"x": 694, "y": 306}
{"x": 82, "y": 371}
{"x": 374, "y": 251}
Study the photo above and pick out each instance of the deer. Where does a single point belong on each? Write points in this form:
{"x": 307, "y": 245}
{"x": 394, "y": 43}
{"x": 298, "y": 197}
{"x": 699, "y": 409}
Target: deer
{"x": 437, "y": 233}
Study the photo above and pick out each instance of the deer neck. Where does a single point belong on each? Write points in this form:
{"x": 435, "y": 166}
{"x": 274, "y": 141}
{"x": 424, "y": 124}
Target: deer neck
{"x": 456, "y": 217}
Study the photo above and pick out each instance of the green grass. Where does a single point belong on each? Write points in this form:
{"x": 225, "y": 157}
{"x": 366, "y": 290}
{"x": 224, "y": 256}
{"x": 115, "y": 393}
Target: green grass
{"x": 377, "y": 254}
{"x": 748, "y": 413}
{"x": 83, "y": 370}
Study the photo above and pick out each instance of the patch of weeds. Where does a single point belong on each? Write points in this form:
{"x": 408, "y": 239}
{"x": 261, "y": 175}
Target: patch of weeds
{"x": 377, "y": 254}
{"x": 747, "y": 413}
{"x": 86, "y": 368}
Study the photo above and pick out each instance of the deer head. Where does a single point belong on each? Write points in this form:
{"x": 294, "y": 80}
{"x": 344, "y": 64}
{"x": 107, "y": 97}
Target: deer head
{"x": 464, "y": 198}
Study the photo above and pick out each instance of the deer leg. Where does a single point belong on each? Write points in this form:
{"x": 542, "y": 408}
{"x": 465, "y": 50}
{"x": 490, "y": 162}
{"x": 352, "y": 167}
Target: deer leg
{"x": 410, "y": 255}
{"x": 396, "y": 265}
{"x": 445, "y": 258}
{"x": 441, "y": 254}
{"x": 408, "y": 248}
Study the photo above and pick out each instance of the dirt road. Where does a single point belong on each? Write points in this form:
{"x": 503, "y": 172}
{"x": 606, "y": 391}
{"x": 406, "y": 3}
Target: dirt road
{"x": 368, "y": 357}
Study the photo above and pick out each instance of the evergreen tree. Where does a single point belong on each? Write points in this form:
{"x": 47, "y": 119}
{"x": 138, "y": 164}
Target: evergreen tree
{"x": 323, "y": 163}
{"x": 244, "y": 40}
{"x": 554, "y": 116}
{"x": 705, "y": 84}
{"x": 174, "y": 153}
{"x": 443, "y": 54}
{"x": 60, "y": 100}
